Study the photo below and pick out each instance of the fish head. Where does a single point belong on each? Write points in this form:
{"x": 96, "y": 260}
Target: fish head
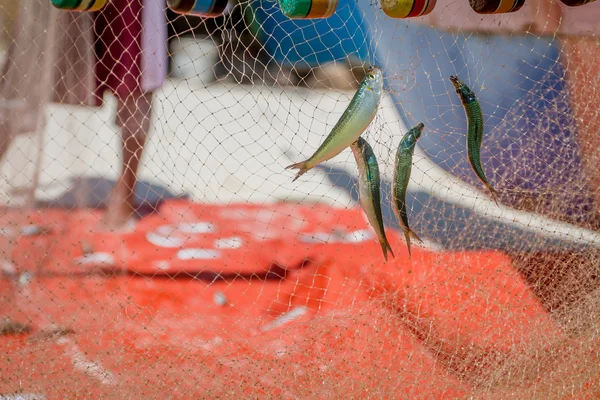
{"x": 455, "y": 81}
{"x": 361, "y": 148}
{"x": 462, "y": 89}
{"x": 374, "y": 79}
{"x": 410, "y": 139}
{"x": 417, "y": 130}
{"x": 358, "y": 146}
{"x": 360, "y": 142}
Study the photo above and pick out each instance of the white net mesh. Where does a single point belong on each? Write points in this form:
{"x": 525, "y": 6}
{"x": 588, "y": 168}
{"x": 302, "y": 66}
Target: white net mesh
{"x": 153, "y": 244}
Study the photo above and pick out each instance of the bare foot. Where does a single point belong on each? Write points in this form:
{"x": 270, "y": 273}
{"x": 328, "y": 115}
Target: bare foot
{"x": 119, "y": 218}
{"x": 120, "y": 212}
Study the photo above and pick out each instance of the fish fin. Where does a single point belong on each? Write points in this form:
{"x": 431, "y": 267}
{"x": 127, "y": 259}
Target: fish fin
{"x": 301, "y": 166}
{"x": 385, "y": 247}
{"x": 407, "y": 236}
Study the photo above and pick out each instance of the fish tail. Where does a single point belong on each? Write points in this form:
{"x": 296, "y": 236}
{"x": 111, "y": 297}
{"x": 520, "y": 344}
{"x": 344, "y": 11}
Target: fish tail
{"x": 493, "y": 193}
{"x": 385, "y": 247}
{"x": 407, "y": 236}
{"x": 408, "y": 233}
{"x": 414, "y": 235}
{"x": 302, "y": 166}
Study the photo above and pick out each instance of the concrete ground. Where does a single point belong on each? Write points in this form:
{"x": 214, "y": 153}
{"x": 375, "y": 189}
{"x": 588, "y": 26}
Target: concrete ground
{"x": 218, "y": 142}
{"x": 223, "y": 142}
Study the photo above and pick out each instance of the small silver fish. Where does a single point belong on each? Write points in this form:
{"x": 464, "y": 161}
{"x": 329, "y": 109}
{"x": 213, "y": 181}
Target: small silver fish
{"x": 402, "y": 169}
{"x": 368, "y": 187}
{"x": 474, "y": 131}
{"x": 353, "y": 122}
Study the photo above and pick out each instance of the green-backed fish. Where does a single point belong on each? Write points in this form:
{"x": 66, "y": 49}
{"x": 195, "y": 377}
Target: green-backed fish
{"x": 368, "y": 189}
{"x": 353, "y": 122}
{"x": 402, "y": 169}
{"x": 474, "y": 130}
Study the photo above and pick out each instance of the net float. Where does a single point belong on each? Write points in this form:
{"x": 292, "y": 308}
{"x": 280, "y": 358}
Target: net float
{"x": 407, "y": 8}
{"x": 200, "y": 8}
{"x": 79, "y": 5}
{"x": 308, "y": 9}
{"x": 496, "y": 6}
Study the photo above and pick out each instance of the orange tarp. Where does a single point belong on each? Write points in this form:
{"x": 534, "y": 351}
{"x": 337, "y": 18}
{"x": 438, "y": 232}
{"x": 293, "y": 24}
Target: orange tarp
{"x": 287, "y": 300}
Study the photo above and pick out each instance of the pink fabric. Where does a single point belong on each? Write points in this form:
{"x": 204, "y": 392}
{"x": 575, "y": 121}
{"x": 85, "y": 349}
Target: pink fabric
{"x": 536, "y": 16}
{"x": 154, "y": 45}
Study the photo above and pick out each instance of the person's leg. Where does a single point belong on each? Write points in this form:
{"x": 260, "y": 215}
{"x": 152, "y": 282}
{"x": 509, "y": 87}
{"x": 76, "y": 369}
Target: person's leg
{"x": 5, "y": 140}
{"x": 133, "y": 115}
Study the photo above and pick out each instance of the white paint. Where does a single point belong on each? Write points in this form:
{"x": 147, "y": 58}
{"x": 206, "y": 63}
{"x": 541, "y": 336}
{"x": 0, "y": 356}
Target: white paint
{"x": 265, "y": 216}
{"x": 90, "y": 368}
{"x": 6, "y": 231}
{"x": 164, "y": 241}
{"x": 198, "y": 254}
{"x": 23, "y": 396}
{"x": 338, "y": 236}
{"x": 220, "y": 299}
{"x": 196, "y": 227}
{"x": 25, "y": 278}
{"x": 96, "y": 259}
{"x": 7, "y": 267}
{"x": 280, "y": 352}
{"x": 229, "y": 243}
{"x": 358, "y": 236}
{"x": 29, "y": 230}
{"x": 161, "y": 265}
{"x": 284, "y": 318}
{"x": 166, "y": 235}
{"x": 234, "y": 213}
{"x": 211, "y": 344}
{"x": 316, "y": 237}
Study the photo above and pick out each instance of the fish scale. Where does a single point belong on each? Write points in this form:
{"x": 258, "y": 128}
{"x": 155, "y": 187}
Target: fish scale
{"x": 474, "y": 131}
{"x": 353, "y": 122}
{"x": 402, "y": 170}
{"x": 369, "y": 190}
{"x": 342, "y": 123}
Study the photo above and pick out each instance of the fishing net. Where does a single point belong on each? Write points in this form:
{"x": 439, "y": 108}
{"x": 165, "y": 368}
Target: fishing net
{"x": 219, "y": 277}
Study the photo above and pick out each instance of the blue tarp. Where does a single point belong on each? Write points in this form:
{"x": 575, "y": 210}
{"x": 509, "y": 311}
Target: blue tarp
{"x": 309, "y": 43}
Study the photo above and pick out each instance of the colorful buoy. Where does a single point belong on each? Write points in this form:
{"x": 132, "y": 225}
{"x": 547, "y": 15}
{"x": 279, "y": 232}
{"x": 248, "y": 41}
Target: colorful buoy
{"x": 407, "y": 8}
{"x": 79, "y": 5}
{"x": 308, "y": 9}
{"x": 496, "y": 6}
{"x": 201, "y": 8}
{"x": 576, "y": 3}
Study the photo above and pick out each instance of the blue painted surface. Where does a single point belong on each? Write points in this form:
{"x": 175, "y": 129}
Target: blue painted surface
{"x": 530, "y": 146}
{"x": 309, "y": 43}
{"x": 202, "y": 7}
{"x": 530, "y": 151}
